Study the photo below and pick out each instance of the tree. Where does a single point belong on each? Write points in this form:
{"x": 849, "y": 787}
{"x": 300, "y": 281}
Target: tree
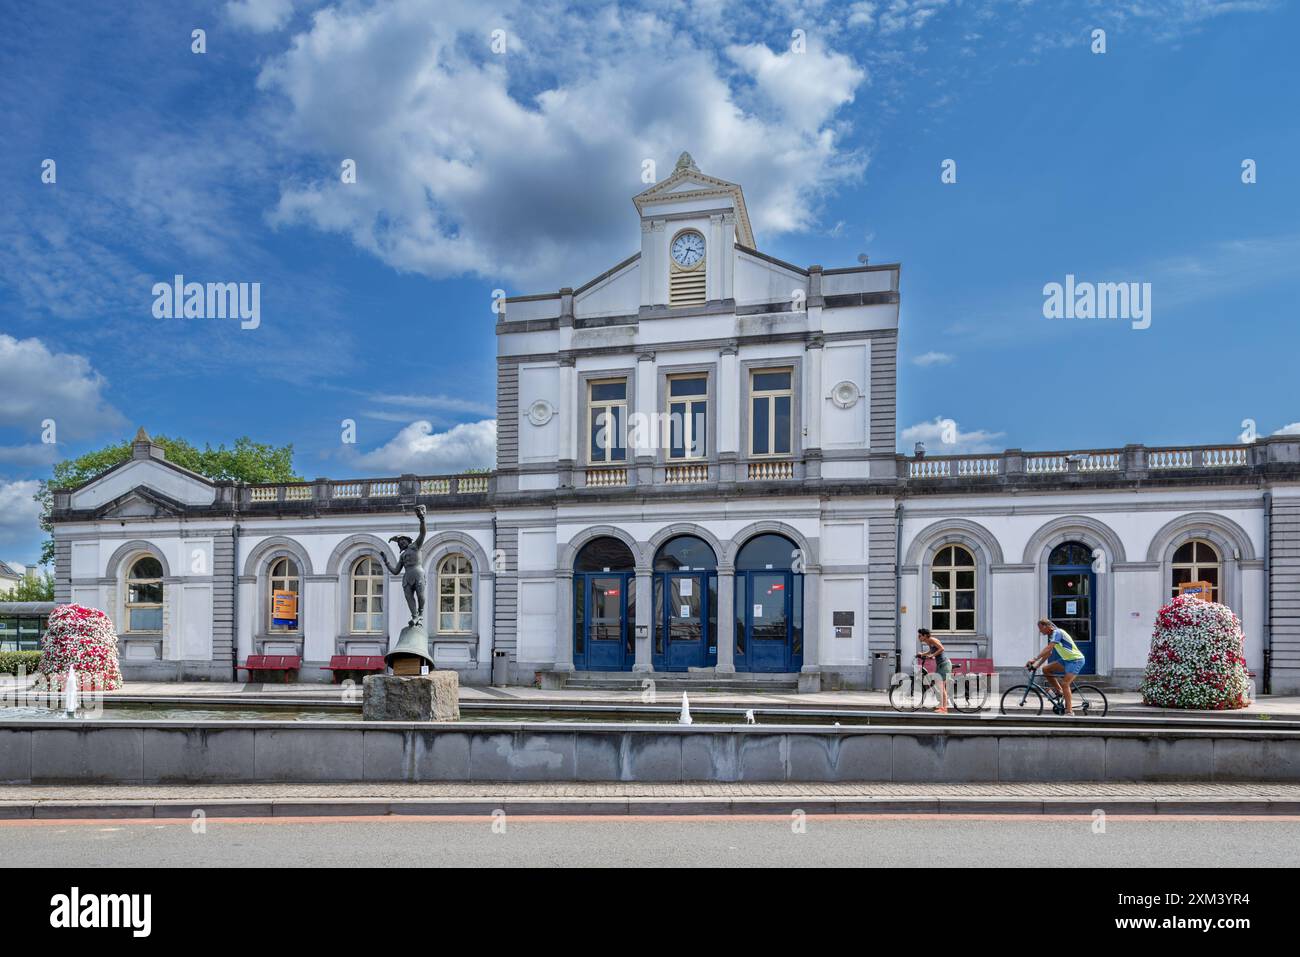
{"x": 245, "y": 461}
{"x": 33, "y": 587}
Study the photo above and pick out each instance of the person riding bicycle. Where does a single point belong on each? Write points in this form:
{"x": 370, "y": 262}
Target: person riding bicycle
{"x": 1066, "y": 661}
{"x": 942, "y": 666}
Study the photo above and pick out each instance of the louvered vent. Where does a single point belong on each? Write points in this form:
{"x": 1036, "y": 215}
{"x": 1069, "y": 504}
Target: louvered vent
{"x": 686, "y": 288}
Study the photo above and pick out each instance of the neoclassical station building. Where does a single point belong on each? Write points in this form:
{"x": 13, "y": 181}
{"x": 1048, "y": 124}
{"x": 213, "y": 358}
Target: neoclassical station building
{"x": 697, "y": 472}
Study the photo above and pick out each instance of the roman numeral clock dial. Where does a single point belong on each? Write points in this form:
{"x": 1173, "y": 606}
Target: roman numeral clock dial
{"x": 688, "y": 249}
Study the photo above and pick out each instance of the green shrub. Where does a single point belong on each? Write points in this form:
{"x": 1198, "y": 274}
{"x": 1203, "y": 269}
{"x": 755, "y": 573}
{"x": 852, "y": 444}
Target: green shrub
{"x": 10, "y": 660}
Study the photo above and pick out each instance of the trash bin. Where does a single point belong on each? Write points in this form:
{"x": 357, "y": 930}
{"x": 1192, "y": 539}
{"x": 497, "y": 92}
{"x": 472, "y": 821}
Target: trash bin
{"x": 882, "y": 670}
{"x": 500, "y": 668}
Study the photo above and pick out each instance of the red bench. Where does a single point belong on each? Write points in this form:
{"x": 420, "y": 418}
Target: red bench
{"x": 282, "y": 663}
{"x": 965, "y": 666}
{"x": 359, "y": 663}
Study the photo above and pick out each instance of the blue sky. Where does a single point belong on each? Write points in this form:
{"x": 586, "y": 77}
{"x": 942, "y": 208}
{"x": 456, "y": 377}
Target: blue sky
{"x": 478, "y": 170}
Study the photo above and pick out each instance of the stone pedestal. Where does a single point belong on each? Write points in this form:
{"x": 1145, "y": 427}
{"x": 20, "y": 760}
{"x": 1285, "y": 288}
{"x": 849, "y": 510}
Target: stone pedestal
{"x": 431, "y": 697}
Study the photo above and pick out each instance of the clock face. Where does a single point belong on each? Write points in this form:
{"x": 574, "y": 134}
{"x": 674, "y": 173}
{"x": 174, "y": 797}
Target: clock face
{"x": 688, "y": 249}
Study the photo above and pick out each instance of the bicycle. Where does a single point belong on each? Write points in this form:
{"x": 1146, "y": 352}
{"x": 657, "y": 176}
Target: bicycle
{"x": 1089, "y": 700}
{"x": 967, "y": 694}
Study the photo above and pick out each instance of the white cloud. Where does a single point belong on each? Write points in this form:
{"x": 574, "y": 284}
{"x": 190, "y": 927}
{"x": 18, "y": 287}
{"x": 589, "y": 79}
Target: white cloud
{"x": 40, "y": 384}
{"x": 935, "y": 432}
{"x": 19, "y": 516}
{"x": 807, "y": 87}
{"x": 523, "y": 165}
{"x": 862, "y": 14}
{"x": 419, "y": 450}
{"x": 37, "y": 454}
{"x": 1290, "y": 429}
{"x": 908, "y": 14}
{"x": 933, "y": 359}
{"x": 440, "y": 403}
{"x": 260, "y": 16}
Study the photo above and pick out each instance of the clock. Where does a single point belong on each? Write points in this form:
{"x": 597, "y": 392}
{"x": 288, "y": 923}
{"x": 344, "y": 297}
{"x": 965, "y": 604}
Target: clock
{"x": 688, "y": 249}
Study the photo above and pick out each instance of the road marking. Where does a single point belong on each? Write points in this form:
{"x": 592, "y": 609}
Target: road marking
{"x": 775, "y": 818}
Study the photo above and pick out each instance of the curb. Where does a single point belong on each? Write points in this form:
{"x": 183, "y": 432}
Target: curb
{"x": 645, "y": 806}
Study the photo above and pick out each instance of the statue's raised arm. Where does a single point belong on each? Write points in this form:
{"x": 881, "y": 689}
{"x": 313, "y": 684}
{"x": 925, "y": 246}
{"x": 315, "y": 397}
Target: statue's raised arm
{"x": 419, "y": 513}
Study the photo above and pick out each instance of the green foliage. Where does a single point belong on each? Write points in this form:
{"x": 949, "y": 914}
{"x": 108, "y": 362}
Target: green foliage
{"x": 33, "y": 588}
{"x": 245, "y": 461}
{"x": 10, "y": 660}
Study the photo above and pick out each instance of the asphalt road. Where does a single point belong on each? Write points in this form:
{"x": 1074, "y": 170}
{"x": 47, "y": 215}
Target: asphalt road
{"x": 947, "y": 840}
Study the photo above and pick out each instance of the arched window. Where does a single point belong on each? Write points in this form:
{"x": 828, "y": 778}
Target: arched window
{"x": 367, "y": 597}
{"x": 952, "y": 591}
{"x": 604, "y": 554}
{"x": 1071, "y": 553}
{"x": 685, "y": 553}
{"x": 768, "y": 551}
{"x": 1196, "y": 561}
{"x": 284, "y": 592}
{"x": 455, "y": 595}
{"x": 144, "y": 596}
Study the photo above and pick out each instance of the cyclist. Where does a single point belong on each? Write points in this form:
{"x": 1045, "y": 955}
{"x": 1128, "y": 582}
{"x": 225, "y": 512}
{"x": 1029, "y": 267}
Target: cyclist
{"x": 1066, "y": 661}
{"x": 942, "y": 666}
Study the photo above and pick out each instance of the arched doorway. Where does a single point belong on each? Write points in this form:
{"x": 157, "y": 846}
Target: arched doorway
{"x": 604, "y": 606}
{"x": 685, "y": 605}
{"x": 769, "y": 606}
{"x": 1072, "y": 597}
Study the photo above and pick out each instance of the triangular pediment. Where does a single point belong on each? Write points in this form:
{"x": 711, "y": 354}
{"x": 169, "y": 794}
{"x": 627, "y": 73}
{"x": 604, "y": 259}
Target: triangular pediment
{"x": 152, "y": 476}
{"x": 688, "y": 183}
{"x": 140, "y": 503}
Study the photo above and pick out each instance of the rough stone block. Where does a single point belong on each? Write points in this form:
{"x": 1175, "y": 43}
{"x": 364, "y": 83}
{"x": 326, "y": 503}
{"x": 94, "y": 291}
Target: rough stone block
{"x": 431, "y": 697}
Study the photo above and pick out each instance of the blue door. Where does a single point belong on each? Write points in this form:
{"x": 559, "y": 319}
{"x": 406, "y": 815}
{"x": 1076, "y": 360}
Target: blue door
{"x": 602, "y": 634}
{"x": 685, "y": 620}
{"x": 771, "y": 639}
{"x": 1072, "y": 598}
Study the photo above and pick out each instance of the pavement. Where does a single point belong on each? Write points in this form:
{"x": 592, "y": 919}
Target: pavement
{"x": 83, "y": 802}
{"x": 1120, "y": 701}
{"x": 950, "y": 845}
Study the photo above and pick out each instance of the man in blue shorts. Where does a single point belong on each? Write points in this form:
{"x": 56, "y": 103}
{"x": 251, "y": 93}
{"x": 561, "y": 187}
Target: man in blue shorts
{"x": 1064, "y": 661}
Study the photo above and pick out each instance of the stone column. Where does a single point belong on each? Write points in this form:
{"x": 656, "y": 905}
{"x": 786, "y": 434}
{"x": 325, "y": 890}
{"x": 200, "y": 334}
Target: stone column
{"x": 567, "y": 414}
{"x": 728, "y": 257}
{"x": 726, "y": 635}
{"x": 814, "y": 399}
{"x": 659, "y": 269}
{"x": 728, "y": 400}
{"x": 810, "y": 675}
{"x": 644, "y": 618}
{"x": 714, "y": 265}
{"x": 564, "y": 620}
{"x": 647, "y": 263}
{"x": 643, "y": 455}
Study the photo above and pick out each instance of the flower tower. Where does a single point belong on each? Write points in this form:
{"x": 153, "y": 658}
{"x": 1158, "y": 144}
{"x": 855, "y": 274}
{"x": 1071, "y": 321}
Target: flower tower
{"x": 1197, "y": 658}
{"x": 85, "y": 639}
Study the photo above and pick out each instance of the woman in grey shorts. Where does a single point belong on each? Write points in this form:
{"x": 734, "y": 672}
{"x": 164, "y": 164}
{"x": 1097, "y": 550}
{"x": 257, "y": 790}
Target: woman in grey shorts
{"x": 942, "y": 666}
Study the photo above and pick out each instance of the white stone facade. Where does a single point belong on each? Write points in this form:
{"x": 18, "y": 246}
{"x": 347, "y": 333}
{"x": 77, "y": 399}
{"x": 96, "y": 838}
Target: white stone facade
{"x": 788, "y": 377}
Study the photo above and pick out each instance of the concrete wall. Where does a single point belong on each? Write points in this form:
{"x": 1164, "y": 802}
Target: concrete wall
{"x": 157, "y": 752}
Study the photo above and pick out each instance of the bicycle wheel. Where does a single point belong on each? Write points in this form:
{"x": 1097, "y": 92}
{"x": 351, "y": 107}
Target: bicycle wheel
{"x": 971, "y": 693}
{"x": 906, "y": 696}
{"x": 1090, "y": 701}
{"x": 1022, "y": 699}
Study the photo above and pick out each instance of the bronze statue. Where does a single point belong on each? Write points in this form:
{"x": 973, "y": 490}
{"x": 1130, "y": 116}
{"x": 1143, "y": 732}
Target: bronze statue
{"x": 414, "y": 581}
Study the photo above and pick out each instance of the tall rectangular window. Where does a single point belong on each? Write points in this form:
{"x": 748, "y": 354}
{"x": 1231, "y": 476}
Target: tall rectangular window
{"x": 771, "y": 399}
{"x": 607, "y": 433}
{"x": 688, "y": 417}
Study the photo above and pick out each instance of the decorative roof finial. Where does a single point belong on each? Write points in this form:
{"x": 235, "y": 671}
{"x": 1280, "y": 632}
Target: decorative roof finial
{"x": 685, "y": 162}
{"x": 141, "y": 435}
